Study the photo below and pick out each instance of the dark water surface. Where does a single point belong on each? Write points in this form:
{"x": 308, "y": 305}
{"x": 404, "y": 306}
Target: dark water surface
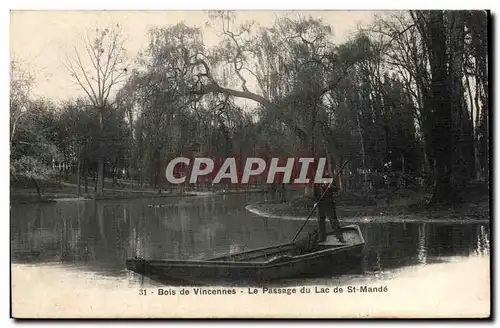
{"x": 97, "y": 236}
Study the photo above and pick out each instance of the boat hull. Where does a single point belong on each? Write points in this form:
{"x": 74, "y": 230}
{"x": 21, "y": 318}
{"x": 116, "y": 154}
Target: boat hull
{"x": 258, "y": 266}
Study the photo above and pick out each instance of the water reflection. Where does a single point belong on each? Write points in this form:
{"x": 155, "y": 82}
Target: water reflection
{"x": 483, "y": 241}
{"x": 99, "y": 236}
{"x": 421, "y": 248}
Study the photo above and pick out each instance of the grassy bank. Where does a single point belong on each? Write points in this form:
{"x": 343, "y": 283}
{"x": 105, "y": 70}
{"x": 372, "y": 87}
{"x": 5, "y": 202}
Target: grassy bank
{"x": 25, "y": 193}
{"x": 385, "y": 202}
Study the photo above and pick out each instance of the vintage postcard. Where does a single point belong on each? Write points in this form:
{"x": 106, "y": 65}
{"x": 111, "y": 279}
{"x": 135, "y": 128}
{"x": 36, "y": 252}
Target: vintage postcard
{"x": 250, "y": 164}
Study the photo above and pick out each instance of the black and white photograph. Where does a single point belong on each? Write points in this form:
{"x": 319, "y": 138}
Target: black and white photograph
{"x": 250, "y": 164}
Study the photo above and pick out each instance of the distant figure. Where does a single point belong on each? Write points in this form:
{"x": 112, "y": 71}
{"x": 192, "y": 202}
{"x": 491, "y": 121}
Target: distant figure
{"x": 327, "y": 208}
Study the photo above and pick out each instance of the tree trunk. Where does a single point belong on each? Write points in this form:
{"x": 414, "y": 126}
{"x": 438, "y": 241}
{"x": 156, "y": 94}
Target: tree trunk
{"x": 100, "y": 177}
{"x": 459, "y": 133}
{"x": 485, "y": 138}
{"x": 477, "y": 169}
{"x": 78, "y": 171}
{"x": 115, "y": 173}
{"x": 86, "y": 176}
{"x": 363, "y": 155}
{"x": 313, "y": 127}
{"x": 66, "y": 168}
{"x": 100, "y": 161}
{"x": 442, "y": 128}
{"x": 38, "y": 190}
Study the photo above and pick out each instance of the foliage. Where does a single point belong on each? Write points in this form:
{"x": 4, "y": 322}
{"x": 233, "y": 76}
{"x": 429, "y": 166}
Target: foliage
{"x": 406, "y": 95}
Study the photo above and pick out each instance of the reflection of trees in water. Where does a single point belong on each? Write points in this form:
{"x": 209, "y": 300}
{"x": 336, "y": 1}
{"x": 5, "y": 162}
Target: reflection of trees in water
{"x": 378, "y": 265}
{"x": 171, "y": 231}
{"x": 80, "y": 232}
{"x": 99, "y": 213}
{"x": 52, "y": 232}
{"x": 103, "y": 234}
{"x": 71, "y": 235}
{"x": 389, "y": 245}
{"x": 422, "y": 247}
{"x": 452, "y": 240}
{"x": 483, "y": 241}
{"x": 32, "y": 236}
{"x": 392, "y": 245}
{"x": 207, "y": 227}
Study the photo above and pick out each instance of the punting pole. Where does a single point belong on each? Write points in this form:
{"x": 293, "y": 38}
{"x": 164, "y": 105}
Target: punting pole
{"x": 319, "y": 200}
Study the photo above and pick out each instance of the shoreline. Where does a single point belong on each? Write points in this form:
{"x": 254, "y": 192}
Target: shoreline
{"x": 63, "y": 197}
{"x": 408, "y": 207}
{"x": 413, "y": 218}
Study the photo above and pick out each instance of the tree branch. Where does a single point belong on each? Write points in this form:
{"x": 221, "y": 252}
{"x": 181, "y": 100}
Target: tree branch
{"x": 80, "y": 66}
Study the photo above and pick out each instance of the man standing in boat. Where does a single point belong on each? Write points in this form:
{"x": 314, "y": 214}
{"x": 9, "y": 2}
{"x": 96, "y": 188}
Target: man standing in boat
{"x": 327, "y": 208}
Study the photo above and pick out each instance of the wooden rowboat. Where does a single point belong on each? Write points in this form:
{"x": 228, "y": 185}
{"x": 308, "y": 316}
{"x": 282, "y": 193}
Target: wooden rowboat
{"x": 263, "y": 265}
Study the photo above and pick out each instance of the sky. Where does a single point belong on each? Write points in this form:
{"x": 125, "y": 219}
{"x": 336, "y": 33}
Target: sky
{"x": 43, "y": 39}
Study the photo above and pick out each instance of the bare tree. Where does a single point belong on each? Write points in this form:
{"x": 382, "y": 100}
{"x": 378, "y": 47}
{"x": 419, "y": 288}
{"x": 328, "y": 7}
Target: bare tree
{"x": 97, "y": 70}
{"x": 21, "y": 82}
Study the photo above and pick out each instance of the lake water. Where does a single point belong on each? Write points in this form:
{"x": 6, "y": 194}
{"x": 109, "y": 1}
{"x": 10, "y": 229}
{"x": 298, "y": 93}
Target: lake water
{"x": 98, "y": 236}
